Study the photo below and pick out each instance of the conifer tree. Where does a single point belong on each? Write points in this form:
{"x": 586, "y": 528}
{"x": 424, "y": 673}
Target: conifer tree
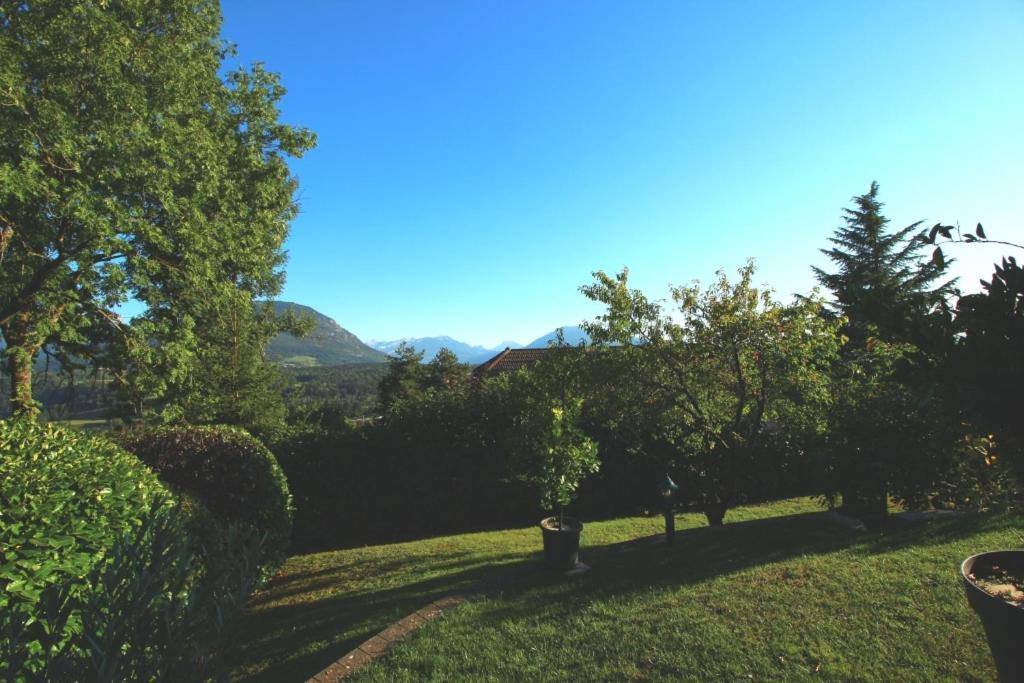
{"x": 405, "y": 376}
{"x": 882, "y": 279}
{"x": 444, "y": 371}
{"x": 888, "y": 291}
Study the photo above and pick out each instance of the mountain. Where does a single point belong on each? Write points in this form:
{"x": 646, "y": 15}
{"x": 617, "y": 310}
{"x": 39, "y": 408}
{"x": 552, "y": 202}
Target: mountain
{"x": 328, "y": 344}
{"x": 466, "y": 353}
{"x": 574, "y": 334}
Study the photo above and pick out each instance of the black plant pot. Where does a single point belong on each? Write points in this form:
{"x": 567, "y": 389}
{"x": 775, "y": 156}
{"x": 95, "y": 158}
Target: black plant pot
{"x": 561, "y": 542}
{"x": 1004, "y": 623}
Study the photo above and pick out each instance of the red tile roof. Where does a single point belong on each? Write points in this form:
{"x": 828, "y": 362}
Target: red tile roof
{"x": 509, "y": 360}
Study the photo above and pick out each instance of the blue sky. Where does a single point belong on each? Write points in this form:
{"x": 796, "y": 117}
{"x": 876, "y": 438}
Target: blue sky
{"x": 477, "y": 160}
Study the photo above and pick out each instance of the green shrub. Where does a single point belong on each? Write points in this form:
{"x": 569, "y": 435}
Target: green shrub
{"x": 156, "y": 610}
{"x": 104, "y": 575}
{"x": 66, "y": 498}
{"x": 234, "y": 476}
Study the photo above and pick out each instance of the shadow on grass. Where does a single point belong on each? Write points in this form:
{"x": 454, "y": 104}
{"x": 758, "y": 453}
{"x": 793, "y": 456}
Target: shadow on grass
{"x": 939, "y": 530}
{"x": 299, "y": 638}
{"x": 703, "y": 554}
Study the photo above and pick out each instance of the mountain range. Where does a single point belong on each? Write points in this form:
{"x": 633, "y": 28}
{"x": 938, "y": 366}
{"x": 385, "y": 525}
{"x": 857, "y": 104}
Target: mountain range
{"x": 468, "y": 353}
{"x": 331, "y": 344}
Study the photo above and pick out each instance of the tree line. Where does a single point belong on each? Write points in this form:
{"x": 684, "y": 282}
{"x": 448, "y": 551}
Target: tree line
{"x": 888, "y": 384}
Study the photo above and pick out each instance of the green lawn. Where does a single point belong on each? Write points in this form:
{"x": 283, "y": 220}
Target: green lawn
{"x": 322, "y": 605}
{"x": 792, "y": 599}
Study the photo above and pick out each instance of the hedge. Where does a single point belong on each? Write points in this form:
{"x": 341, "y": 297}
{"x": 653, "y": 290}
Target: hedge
{"x": 231, "y": 472}
{"x": 66, "y": 499}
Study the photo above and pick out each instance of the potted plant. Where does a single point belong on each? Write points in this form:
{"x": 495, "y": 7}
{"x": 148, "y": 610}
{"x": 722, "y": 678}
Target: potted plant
{"x": 987, "y": 372}
{"x": 568, "y": 456}
{"x": 994, "y": 582}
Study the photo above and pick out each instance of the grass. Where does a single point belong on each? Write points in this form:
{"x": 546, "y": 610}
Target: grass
{"x": 795, "y": 598}
{"x": 322, "y": 605}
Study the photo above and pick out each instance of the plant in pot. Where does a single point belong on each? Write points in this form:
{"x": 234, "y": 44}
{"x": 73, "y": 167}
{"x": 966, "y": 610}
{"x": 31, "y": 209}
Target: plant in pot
{"x": 568, "y": 455}
{"x": 987, "y": 370}
{"x": 994, "y": 582}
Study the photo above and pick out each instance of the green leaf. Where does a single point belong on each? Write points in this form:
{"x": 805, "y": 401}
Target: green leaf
{"x": 980, "y": 231}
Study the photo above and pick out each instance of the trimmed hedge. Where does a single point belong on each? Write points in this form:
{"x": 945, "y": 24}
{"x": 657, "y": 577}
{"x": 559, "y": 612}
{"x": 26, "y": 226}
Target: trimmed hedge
{"x": 231, "y": 472}
{"x": 104, "y": 576}
{"x": 66, "y": 499}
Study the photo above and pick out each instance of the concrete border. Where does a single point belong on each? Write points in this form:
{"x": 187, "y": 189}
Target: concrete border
{"x": 378, "y": 645}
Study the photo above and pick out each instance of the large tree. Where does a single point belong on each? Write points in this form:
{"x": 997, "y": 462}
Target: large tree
{"x": 715, "y": 385}
{"x": 131, "y": 168}
{"x": 882, "y": 283}
{"x": 988, "y": 363}
{"x": 893, "y": 299}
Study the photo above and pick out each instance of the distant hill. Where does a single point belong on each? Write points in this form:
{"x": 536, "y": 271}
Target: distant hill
{"x": 466, "y": 353}
{"x": 574, "y": 334}
{"x": 328, "y": 344}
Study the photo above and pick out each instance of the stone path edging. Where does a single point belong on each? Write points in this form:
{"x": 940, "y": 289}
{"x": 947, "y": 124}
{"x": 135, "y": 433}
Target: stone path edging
{"x": 378, "y": 645}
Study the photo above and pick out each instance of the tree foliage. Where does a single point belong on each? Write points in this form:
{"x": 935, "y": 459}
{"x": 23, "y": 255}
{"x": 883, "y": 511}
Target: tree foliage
{"x": 408, "y": 377}
{"x": 404, "y": 378}
{"x": 129, "y": 167}
{"x": 988, "y": 363}
{"x": 231, "y": 381}
{"x": 882, "y": 281}
{"x": 708, "y": 383}
{"x": 444, "y": 371}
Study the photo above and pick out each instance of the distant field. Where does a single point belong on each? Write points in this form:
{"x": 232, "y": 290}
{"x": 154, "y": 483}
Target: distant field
{"x": 88, "y": 401}
{"x": 300, "y": 361}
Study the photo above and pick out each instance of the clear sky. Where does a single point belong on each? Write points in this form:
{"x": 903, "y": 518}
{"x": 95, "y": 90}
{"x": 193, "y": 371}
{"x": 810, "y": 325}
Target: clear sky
{"x": 477, "y": 160}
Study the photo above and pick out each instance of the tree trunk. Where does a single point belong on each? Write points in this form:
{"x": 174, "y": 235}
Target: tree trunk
{"x": 851, "y": 501}
{"x": 715, "y": 514}
{"x": 19, "y": 363}
{"x": 21, "y": 353}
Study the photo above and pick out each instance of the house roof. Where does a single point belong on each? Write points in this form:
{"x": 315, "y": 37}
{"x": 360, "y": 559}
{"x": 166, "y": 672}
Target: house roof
{"x": 509, "y": 360}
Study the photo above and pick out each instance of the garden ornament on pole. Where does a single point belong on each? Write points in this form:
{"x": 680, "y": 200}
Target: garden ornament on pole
{"x": 667, "y": 488}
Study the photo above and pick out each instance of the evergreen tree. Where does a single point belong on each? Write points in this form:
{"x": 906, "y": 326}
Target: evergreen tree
{"x": 887, "y": 291}
{"x": 231, "y": 381}
{"x": 882, "y": 280}
{"x": 444, "y": 371}
{"x": 405, "y": 378}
